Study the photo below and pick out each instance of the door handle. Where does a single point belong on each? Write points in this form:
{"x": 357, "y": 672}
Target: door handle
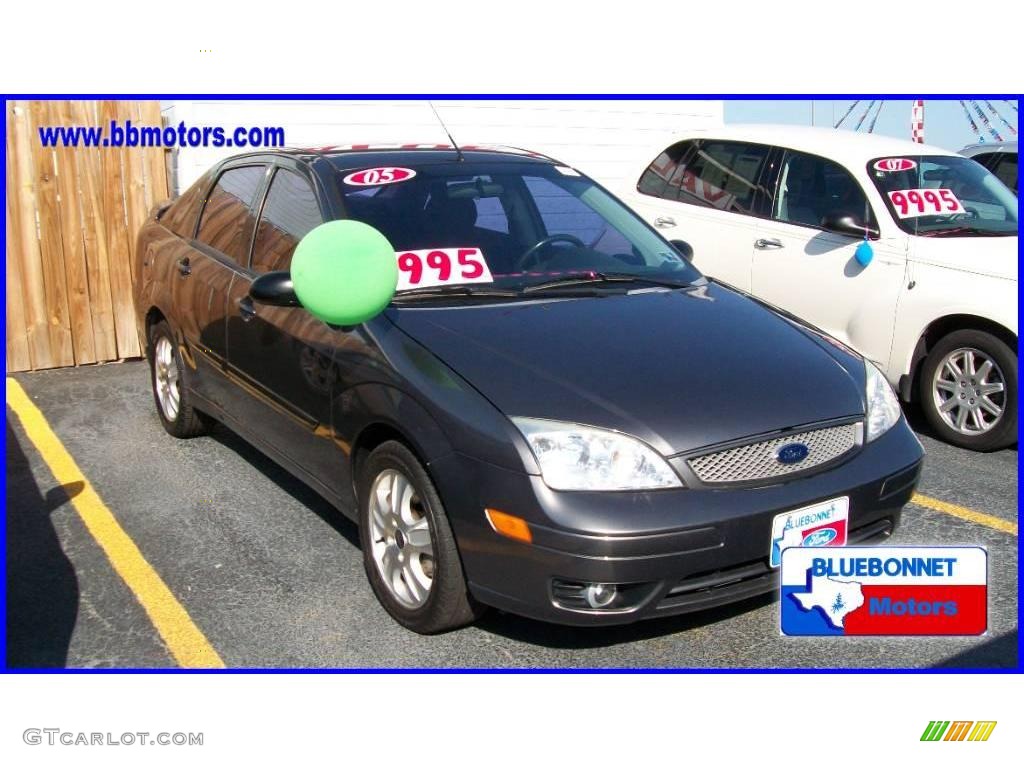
{"x": 184, "y": 267}
{"x": 763, "y": 244}
{"x": 246, "y": 309}
{"x": 664, "y": 221}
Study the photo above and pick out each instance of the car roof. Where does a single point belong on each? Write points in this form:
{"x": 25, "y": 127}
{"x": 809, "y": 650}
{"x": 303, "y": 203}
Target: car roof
{"x": 986, "y": 147}
{"x": 846, "y": 146}
{"x": 351, "y": 156}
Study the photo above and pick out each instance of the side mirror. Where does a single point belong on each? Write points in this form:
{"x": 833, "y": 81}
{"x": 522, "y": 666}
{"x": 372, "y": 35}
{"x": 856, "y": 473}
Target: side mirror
{"x": 684, "y": 248}
{"x": 275, "y": 289}
{"x": 847, "y": 224}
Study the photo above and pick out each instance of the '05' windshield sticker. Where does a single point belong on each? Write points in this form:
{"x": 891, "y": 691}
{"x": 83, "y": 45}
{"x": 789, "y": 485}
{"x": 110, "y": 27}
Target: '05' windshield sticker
{"x": 375, "y": 177}
{"x": 441, "y": 266}
{"x": 924, "y": 202}
{"x": 895, "y": 164}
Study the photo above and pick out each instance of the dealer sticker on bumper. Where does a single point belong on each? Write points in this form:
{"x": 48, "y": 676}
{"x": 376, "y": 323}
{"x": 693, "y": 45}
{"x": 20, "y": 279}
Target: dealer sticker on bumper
{"x": 819, "y": 525}
{"x": 884, "y": 591}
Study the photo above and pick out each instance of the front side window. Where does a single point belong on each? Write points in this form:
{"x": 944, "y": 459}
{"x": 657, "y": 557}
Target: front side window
{"x": 289, "y": 213}
{"x": 812, "y": 189}
{"x": 529, "y": 221}
{"x": 944, "y": 196}
{"x": 227, "y": 220}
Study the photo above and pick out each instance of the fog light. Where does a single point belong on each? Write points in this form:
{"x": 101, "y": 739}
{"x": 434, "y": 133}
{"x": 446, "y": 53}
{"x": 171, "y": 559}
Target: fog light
{"x": 600, "y": 595}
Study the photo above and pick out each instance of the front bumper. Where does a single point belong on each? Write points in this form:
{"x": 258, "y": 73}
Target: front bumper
{"x": 677, "y": 550}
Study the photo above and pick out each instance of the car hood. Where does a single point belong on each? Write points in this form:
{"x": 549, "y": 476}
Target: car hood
{"x": 678, "y": 369}
{"x": 993, "y": 256}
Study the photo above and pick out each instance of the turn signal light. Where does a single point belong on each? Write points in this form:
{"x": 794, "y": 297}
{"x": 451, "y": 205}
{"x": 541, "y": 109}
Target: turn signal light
{"x": 509, "y": 525}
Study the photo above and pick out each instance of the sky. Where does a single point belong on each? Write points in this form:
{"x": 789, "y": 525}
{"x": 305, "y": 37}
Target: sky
{"x": 945, "y": 124}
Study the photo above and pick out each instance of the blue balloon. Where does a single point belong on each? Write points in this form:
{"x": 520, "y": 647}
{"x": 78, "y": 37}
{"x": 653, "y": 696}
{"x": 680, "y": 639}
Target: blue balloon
{"x": 864, "y": 253}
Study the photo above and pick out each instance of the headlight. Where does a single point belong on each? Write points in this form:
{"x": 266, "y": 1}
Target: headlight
{"x": 883, "y": 406}
{"x": 573, "y": 457}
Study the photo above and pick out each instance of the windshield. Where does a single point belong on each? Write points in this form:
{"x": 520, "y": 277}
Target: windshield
{"x": 944, "y": 196}
{"x": 511, "y": 225}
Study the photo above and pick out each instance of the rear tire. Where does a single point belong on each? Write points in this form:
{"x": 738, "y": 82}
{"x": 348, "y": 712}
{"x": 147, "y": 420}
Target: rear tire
{"x": 409, "y": 551}
{"x": 968, "y": 390}
{"x": 168, "y": 377}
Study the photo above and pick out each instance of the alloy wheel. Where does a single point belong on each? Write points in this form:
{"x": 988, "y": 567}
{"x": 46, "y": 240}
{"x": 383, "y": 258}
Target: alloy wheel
{"x": 970, "y": 391}
{"x": 401, "y": 540}
{"x": 166, "y": 378}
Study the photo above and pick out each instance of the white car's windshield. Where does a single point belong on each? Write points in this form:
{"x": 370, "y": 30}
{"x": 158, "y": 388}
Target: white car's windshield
{"x": 944, "y": 196}
{"x": 514, "y": 225}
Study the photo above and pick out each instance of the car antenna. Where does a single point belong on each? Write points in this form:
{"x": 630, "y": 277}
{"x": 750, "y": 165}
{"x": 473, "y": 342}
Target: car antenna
{"x": 445, "y": 129}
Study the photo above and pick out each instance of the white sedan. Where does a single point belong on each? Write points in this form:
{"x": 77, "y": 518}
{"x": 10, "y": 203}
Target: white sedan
{"x": 784, "y": 213}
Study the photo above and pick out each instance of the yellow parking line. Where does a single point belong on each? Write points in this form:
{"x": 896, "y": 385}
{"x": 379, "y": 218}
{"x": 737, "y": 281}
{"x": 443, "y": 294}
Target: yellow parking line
{"x": 186, "y": 642}
{"x": 991, "y": 521}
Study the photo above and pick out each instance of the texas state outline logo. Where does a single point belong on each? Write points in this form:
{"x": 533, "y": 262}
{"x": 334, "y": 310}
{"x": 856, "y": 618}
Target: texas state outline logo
{"x": 884, "y": 591}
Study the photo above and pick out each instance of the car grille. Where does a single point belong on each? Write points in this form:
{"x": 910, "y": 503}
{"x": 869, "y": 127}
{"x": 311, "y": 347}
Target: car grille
{"x": 757, "y": 461}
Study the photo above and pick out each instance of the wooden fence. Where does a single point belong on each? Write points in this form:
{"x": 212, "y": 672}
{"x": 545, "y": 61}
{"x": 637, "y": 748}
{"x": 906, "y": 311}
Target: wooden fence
{"x": 72, "y": 217}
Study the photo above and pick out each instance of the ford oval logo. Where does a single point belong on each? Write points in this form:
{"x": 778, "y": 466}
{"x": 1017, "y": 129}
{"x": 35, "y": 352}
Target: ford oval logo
{"x": 792, "y": 453}
{"x": 819, "y": 538}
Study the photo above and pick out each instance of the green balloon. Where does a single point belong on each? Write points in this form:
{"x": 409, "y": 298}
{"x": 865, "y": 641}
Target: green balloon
{"x": 344, "y": 272}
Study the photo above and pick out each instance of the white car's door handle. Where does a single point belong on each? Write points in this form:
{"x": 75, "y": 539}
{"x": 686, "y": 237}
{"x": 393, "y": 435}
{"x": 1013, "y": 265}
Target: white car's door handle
{"x": 664, "y": 221}
{"x": 763, "y": 244}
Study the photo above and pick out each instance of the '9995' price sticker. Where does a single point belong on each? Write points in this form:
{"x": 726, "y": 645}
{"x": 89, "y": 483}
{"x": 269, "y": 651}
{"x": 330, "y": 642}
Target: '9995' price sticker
{"x": 441, "y": 266}
{"x": 924, "y": 202}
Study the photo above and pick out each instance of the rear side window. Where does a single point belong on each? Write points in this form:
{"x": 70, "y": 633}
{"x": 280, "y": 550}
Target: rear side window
{"x": 227, "y": 221}
{"x": 655, "y": 179}
{"x": 723, "y": 175}
{"x": 180, "y": 217}
{"x": 812, "y": 187}
{"x": 289, "y": 213}
{"x": 490, "y": 214}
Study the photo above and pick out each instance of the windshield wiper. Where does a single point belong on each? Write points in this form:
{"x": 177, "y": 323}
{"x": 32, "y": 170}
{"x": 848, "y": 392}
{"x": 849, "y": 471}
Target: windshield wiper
{"x": 460, "y": 291}
{"x": 591, "y": 277}
{"x": 962, "y": 230}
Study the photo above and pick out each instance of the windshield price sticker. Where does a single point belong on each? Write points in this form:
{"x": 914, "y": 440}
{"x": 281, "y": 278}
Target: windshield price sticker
{"x": 441, "y": 266}
{"x": 375, "y": 177}
{"x": 924, "y": 202}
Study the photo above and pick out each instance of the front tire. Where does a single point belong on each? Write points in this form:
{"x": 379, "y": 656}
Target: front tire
{"x": 968, "y": 390}
{"x": 167, "y": 376}
{"x": 409, "y": 550}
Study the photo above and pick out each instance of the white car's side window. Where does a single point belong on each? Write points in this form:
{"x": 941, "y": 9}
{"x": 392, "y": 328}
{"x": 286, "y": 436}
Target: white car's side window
{"x": 714, "y": 174}
{"x": 812, "y": 189}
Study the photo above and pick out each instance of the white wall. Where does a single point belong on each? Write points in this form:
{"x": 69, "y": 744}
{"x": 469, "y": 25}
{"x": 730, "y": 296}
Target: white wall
{"x": 603, "y": 138}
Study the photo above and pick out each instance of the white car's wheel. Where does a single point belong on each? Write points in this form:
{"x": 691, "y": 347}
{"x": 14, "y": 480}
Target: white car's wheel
{"x": 969, "y": 390}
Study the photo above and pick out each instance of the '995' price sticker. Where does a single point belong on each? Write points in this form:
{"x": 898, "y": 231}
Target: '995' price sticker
{"x": 924, "y": 202}
{"x": 441, "y": 266}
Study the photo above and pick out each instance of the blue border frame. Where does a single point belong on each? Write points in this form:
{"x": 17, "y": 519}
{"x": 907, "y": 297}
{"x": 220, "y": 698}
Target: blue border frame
{"x": 488, "y": 670}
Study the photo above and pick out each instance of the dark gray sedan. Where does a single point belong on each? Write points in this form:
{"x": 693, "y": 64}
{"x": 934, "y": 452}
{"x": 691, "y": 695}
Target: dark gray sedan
{"x": 556, "y": 414}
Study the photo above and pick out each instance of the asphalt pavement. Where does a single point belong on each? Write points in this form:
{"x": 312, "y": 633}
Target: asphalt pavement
{"x": 272, "y": 574}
